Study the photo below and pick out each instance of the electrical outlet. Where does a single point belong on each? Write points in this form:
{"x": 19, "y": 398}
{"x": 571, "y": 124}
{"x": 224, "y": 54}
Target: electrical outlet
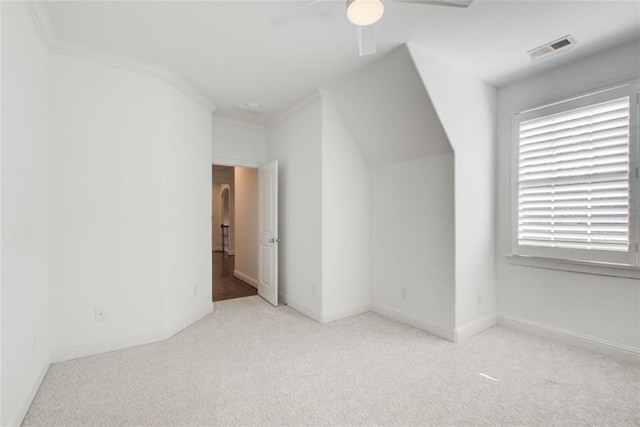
{"x": 404, "y": 292}
{"x": 479, "y": 298}
{"x": 195, "y": 291}
{"x": 101, "y": 314}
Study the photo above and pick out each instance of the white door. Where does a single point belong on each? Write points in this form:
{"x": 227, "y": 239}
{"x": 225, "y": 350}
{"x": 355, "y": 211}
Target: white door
{"x": 268, "y": 232}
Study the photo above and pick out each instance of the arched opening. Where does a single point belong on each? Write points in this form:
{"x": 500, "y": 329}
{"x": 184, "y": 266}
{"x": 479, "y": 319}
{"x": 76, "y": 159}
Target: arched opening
{"x": 225, "y": 206}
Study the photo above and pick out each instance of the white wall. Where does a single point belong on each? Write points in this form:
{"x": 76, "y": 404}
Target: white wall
{"x": 130, "y": 188}
{"x": 246, "y": 224}
{"x": 412, "y": 241}
{"x": 599, "y": 307}
{"x": 351, "y": 249}
{"x": 186, "y": 213}
{"x": 295, "y": 140}
{"x": 25, "y": 295}
{"x": 466, "y": 109}
{"x": 389, "y": 112}
{"x": 106, "y": 203}
{"x": 346, "y": 208}
{"x": 237, "y": 144}
{"x": 394, "y": 121}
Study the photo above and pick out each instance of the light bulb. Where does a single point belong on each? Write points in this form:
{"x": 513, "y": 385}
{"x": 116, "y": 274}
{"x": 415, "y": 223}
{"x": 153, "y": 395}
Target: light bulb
{"x": 364, "y": 12}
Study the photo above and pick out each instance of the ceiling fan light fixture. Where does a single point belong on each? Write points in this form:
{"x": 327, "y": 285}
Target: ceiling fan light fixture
{"x": 364, "y": 12}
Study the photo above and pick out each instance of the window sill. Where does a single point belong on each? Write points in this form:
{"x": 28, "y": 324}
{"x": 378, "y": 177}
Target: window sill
{"x": 602, "y": 269}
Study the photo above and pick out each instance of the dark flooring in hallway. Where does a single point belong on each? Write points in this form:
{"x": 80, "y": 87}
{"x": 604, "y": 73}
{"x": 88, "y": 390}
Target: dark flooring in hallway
{"x": 225, "y": 286}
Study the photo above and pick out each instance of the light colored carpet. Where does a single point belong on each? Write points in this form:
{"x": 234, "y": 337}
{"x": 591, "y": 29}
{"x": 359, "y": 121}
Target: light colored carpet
{"x": 252, "y": 364}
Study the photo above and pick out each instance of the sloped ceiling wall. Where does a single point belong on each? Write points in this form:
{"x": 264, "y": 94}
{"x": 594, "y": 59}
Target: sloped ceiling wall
{"x": 393, "y": 120}
{"x": 467, "y": 110}
{"x": 389, "y": 112}
{"x": 407, "y": 106}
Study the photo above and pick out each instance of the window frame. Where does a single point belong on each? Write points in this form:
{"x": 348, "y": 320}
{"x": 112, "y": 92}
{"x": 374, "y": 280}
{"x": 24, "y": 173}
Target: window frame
{"x": 625, "y": 264}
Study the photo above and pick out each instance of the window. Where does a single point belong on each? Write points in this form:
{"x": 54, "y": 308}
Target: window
{"x": 576, "y": 192}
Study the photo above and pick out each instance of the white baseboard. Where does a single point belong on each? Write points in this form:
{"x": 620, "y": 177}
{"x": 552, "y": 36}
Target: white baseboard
{"x": 104, "y": 346}
{"x": 82, "y": 350}
{"x": 26, "y": 404}
{"x": 307, "y": 311}
{"x": 473, "y": 328}
{"x": 597, "y": 345}
{"x": 341, "y": 313}
{"x": 190, "y": 320}
{"x": 440, "y": 331}
{"x": 246, "y": 278}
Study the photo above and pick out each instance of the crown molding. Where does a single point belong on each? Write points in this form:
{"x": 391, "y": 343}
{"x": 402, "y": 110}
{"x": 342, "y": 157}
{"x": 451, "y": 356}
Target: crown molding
{"x": 315, "y": 95}
{"x": 54, "y": 44}
{"x": 42, "y": 22}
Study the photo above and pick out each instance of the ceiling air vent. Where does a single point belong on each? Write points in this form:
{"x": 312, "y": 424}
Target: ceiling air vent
{"x": 552, "y": 48}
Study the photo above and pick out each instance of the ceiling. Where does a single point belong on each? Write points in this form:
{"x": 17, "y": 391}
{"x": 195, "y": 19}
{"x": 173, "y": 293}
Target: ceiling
{"x": 231, "y": 53}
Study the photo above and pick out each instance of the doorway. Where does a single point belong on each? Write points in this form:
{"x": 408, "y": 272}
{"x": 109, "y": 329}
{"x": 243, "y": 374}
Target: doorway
{"x": 234, "y": 232}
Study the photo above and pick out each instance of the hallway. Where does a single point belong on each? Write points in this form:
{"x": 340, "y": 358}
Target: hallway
{"x": 225, "y": 286}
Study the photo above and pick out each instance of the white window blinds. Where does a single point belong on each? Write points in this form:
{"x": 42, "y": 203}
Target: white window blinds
{"x": 574, "y": 178}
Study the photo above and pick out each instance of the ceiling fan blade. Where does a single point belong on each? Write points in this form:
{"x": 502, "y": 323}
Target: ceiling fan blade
{"x": 367, "y": 40}
{"x": 298, "y": 13}
{"x": 453, "y": 3}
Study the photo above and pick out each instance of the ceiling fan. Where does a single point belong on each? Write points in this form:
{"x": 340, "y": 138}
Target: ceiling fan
{"x": 362, "y": 13}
